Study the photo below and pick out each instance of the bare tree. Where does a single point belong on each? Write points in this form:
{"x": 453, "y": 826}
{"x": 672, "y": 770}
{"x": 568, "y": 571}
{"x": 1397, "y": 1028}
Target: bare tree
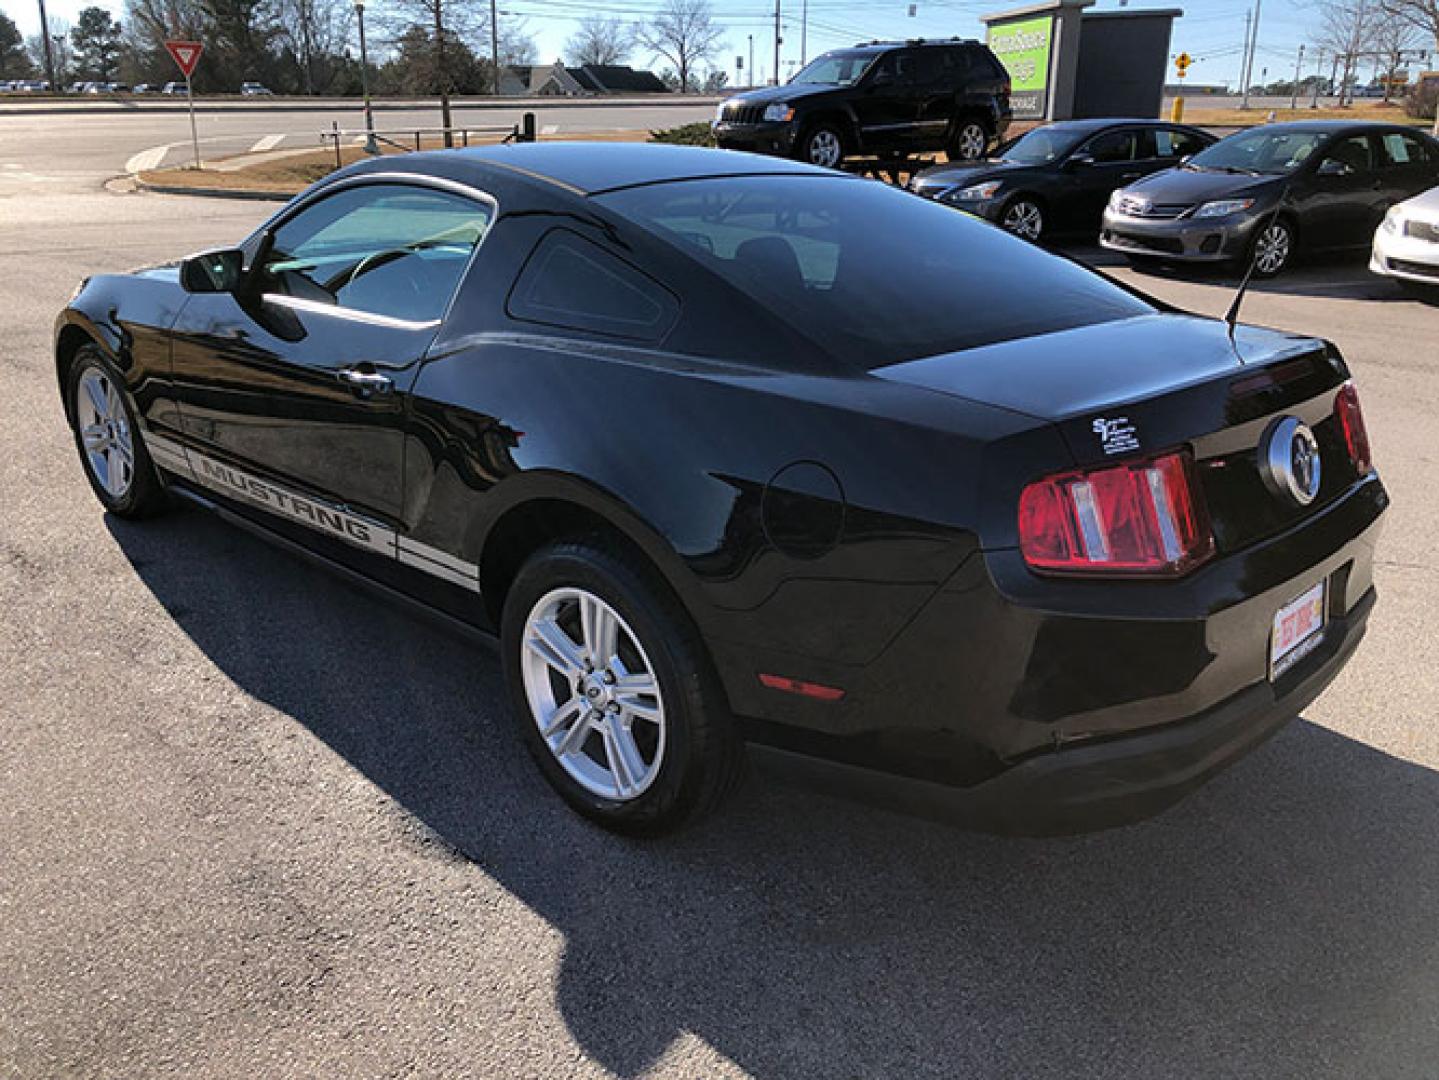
{"x": 1423, "y": 15}
{"x": 446, "y": 23}
{"x": 599, "y": 41}
{"x": 315, "y": 31}
{"x": 684, "y": 33}
{"x": 1347, "y": 31}
{"x": 1393, "y": 37}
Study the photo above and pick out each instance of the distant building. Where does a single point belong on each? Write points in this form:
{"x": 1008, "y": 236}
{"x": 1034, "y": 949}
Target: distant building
{"x": 556, "y": 80}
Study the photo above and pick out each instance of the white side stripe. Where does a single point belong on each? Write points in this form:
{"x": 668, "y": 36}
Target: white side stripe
{"x": 331, "y": 520}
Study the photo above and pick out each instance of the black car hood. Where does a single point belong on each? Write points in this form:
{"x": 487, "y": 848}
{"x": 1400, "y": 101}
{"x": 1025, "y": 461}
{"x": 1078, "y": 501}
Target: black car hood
{"x": 946, "y": 176}
{"x": 793, "y": 92}
{"x": 1183, "y": 187}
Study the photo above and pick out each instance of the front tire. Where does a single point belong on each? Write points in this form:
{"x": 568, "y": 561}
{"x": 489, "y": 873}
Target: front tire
{"x": 1272, "y": 249}
{"x": 821, "y": 144}
{"x": 968, "y": 142}
{"x": 1024, "y": 218}
{"x": 613, "y": 691}
{"x": 111, "y": 451}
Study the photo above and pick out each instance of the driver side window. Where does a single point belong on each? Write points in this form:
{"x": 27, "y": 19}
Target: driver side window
{"x": 395, "y": 250}
{"x": 1355, "y": 153}
{"x": 1114, "y": 146}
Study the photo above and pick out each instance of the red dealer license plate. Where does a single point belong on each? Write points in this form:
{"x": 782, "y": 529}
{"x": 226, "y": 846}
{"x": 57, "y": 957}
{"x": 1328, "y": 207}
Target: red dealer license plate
{"x": 1298, "y": 630}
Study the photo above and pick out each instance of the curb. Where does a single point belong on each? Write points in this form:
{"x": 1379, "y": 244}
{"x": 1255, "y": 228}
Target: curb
{"x": 207, "y": 193}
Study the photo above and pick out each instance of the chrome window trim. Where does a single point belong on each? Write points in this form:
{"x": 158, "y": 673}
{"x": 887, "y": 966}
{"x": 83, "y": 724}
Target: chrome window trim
{"x": 420, "y": 180}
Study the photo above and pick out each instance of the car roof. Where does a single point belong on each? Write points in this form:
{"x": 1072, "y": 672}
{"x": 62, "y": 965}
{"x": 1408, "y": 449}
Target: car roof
{"x": 588, "y": 168}
{"x": 1100, "y": 123}
{"x": 1333, "y": 127}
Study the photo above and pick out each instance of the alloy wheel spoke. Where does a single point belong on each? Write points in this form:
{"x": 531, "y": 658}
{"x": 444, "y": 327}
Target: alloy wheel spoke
{"x": 94, "y": 437}
{"x": 623, "y": 755}
{"x": 634, "y": 707}
{"x": 563, "y": 715}
{"x": 97, "y": 397}
{"x": 575, "y": 737}
{"x": 601, "y": 630}
{"x": 551, "y": 644}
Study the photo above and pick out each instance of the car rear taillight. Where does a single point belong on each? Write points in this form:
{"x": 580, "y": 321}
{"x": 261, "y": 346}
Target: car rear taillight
{"x": 1139, "y": 518}
{"x": 1351, "y": 423}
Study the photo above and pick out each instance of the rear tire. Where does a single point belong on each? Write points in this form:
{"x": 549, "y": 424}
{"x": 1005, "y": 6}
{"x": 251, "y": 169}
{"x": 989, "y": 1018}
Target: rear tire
{"x": 108, "y": 439}
{"x": 613, "y": 691}
{"x": 968, "y": 141}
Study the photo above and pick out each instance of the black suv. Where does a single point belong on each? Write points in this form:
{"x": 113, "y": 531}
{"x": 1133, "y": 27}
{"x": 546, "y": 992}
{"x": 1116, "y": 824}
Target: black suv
{"x": 881, "y": 98}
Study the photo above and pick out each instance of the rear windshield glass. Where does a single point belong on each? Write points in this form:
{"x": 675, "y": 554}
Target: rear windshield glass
{"x": 872, "y": 274}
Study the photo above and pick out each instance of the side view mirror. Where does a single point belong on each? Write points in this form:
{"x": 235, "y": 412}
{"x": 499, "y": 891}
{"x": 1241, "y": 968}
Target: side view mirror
{"x": 1186, "y": 159}
{"x": 1079, "y": 161}
{"x": 1334, "y": 167}
{"x": 213, "y": 271}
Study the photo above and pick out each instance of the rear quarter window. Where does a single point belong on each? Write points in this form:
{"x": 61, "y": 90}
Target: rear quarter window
{"x": 572, "y": 283}
{"x": 871, "y": 274}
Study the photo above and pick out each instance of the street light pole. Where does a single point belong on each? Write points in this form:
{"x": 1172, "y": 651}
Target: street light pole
{"x": 495, "y": 44}
{"x": 371, "y": 147}
{"x": 1294, "y": 90}
{"x": 49, "y": 49}
{"x": 777, "y": 40}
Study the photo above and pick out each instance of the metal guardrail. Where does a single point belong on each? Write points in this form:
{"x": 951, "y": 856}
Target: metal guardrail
{"x": 522, "y": 132}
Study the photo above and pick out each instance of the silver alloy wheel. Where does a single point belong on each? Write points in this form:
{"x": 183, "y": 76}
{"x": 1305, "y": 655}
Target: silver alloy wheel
{"x": 972, "y": 141}
{"x": 593, "y": 694}
{"x": 1024, "y": 219}
{"x": 1271, "y": 251}
{"x": 825, "y": 148}
{"x": 105, "y": 432}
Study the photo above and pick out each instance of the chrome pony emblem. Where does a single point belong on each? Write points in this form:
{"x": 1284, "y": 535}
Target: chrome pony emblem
{"x": 1289, "y": 460}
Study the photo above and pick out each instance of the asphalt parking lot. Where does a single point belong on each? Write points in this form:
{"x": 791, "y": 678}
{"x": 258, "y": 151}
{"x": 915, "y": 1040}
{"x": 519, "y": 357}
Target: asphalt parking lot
{"x": 255, "y": 823}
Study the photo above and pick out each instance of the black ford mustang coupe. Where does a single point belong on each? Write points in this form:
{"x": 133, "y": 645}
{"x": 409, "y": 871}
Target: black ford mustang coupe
{"x": 727, "y": 450}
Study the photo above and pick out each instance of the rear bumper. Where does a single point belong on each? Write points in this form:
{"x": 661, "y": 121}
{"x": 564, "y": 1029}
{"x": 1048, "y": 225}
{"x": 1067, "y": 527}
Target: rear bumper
{"x": 1181, "y": 239}
{"x": 1112, "y": 782}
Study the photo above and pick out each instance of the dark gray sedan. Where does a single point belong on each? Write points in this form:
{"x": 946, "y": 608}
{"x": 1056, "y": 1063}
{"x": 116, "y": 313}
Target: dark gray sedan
{"x": 1270, "y": 192}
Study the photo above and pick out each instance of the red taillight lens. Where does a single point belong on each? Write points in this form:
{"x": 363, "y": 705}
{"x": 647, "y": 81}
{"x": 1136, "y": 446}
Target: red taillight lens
{"x": 1142, "y": 517}
{"x": 1351, "y": 423}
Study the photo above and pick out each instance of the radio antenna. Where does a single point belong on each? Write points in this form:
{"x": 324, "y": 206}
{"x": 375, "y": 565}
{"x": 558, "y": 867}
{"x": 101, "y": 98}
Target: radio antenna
{"x": 1232, "y": 315}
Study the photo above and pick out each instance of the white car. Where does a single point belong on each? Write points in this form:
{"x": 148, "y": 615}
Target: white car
{"x": 1406, "y": 245}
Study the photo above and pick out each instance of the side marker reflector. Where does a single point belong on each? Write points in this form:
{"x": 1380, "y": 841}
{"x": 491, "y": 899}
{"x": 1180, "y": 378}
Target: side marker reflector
{"x": 802, "y": 688}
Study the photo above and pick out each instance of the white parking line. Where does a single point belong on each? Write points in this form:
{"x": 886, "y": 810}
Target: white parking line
{"x": 269, "y": 142}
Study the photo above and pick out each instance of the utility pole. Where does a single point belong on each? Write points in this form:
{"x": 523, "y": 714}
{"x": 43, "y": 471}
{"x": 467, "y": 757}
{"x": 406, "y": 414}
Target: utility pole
{"x": 442, "y": 72}
{"x": 1294, "y": 90}
{"x": 371, "y": 147}
{"x": 751, "y": 61}
{"x": 495, "y": 44}
{"x": 49, "y": 48}
{"x": 1244, "y": 61}
{"x": 804, "y": 33}
{"x": 1318, "y": 76}
{"x": 777, "y": 40}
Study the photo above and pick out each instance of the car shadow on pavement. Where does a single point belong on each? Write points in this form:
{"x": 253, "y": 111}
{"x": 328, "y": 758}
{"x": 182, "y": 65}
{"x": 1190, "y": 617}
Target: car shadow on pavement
{"x": 1280, "y": 922}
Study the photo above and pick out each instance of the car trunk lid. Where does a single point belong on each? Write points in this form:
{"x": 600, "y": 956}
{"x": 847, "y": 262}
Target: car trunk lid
{"x": 1155, "y": 383}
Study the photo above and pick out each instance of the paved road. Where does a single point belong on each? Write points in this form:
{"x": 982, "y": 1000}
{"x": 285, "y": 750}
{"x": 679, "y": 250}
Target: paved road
{"x": 254, "y": 823}
{"x": 78, "y": 149}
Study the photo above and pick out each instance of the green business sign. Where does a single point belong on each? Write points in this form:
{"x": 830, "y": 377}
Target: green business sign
{"x": 1024, "y": 49}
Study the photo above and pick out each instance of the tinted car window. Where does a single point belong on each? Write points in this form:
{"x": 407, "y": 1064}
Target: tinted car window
{"x": 1114, "y": 146}
{"x": 1356, "y": 152}
{"x": 384, "y": 249}
{"x": 835, "y": 69}
{"x": 570, "y": 282}
{"x": 1171, "y": 143}
{"x": 1401, "y": 149}
{"x": 1040, "y": 146}
{"x": 928, "y": 66}
{"x": 872, "y": 274}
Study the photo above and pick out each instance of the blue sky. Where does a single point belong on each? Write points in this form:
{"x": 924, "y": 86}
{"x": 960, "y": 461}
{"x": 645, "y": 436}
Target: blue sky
{"x": 1212, "y": 31}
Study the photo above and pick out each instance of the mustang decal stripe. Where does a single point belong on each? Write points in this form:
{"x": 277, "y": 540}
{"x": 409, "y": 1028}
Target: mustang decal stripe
{"x": 324, "y": 517}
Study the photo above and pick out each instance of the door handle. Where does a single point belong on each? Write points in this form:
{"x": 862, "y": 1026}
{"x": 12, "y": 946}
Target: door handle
{"x": 366, "y": 383}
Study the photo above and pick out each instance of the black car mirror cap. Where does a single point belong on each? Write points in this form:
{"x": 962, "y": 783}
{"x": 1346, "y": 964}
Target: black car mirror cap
{"x": 1080, "y": 160}
{"x": 219, "y": 271}
{"x": 1334, "y": 167}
